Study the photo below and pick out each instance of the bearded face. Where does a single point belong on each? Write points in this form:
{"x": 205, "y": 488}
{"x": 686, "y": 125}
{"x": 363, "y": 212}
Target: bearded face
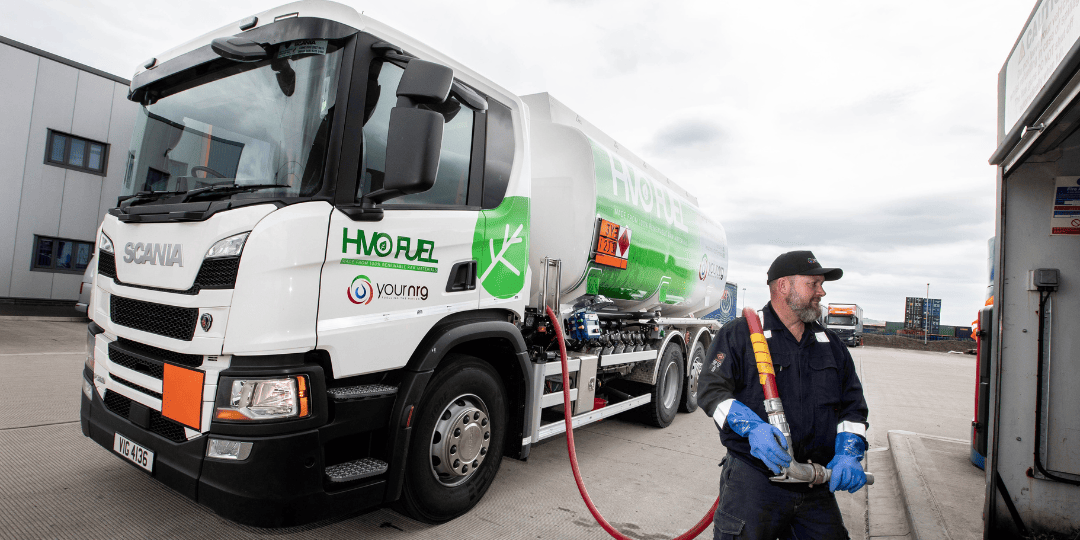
{"x": 802, "y": 298}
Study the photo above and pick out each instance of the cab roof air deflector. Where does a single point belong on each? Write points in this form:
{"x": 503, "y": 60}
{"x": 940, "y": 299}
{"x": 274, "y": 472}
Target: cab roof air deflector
{"x": 203, "y": 60}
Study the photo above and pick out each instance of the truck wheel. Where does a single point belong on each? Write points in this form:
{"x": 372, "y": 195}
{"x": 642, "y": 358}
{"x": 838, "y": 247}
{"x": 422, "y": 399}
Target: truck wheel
{"x": 457, "y": 444}
{"x": 668, "y": 390}
{"x": 689, "y": 400}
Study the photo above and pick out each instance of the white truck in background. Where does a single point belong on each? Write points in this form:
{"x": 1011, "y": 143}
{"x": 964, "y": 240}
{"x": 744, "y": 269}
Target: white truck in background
{"x": 846, "y": 320}
{"x": 323, "y": 288}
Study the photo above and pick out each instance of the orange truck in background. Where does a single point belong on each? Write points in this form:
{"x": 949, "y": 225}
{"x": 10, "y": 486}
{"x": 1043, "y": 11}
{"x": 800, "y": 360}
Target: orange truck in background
{"x": 846, "y": 321}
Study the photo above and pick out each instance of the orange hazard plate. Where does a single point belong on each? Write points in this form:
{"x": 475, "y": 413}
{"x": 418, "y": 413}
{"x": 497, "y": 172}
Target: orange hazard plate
{"x": 181, "y": 395}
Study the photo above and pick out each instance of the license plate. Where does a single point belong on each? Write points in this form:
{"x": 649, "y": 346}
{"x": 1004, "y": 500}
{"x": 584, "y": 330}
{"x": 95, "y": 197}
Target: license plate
{"x": 133, "y": 452}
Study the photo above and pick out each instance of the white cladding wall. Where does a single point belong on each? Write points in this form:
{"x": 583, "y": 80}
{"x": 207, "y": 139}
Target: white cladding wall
{"x": 40, "y": 93}
{"x": 1026, "y": 244}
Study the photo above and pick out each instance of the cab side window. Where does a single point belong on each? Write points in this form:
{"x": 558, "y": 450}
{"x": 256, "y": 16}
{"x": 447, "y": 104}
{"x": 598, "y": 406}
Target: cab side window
{"x": 452, "y": 182}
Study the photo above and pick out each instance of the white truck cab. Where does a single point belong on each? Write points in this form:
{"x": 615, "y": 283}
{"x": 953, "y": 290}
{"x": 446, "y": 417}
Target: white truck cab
{"x": 324, "y": 283}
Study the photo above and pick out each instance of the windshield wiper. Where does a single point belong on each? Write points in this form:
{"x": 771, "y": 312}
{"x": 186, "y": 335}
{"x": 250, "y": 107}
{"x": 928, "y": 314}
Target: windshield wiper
{"x": 146, "y": 196}
{"x": 227, "y": 190}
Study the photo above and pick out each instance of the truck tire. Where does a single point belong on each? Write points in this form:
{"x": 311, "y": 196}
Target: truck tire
{"x": 457, "y": 442}
{"x": 689, "y": 400}
{"x": 668, "y": 390}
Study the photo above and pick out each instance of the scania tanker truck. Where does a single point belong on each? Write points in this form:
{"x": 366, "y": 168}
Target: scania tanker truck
{"x": 324, "y": 285}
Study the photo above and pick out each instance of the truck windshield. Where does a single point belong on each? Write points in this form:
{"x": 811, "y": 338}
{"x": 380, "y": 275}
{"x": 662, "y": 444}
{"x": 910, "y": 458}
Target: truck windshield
{"x": 265, "y": 125}
{"x": 840, "y": 320}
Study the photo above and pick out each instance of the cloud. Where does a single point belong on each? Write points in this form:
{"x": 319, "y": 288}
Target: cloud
{"x": 696, "y": 134}
{"x": 878, "y": 227}
{"x": 858, "y": 129}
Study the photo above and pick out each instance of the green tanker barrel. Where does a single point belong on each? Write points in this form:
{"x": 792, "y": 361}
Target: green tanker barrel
{"x": 621, "y": 228}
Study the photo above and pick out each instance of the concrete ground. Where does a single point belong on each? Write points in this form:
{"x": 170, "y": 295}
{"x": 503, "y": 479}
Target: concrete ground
{"x": 17, "y": 309}
{"x": 921, "y": 406}
{"x": 650, "y": 483}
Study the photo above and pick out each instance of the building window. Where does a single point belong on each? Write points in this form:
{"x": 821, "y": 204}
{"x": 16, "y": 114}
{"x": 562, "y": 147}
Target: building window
{"x": 71, "y": 152}
{"x": 61, "y": 255}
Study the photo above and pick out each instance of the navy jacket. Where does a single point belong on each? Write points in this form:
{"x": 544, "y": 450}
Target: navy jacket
{"x": 816, "y": 380}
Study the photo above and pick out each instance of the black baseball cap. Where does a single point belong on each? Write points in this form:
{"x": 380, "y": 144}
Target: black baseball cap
{"x": 801, "y": 263}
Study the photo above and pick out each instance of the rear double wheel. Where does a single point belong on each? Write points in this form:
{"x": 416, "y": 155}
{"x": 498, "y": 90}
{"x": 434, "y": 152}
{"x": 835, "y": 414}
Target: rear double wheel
{"x": 668, "y": 391}
{"x": 689, "y": 401}
{"x": 457, "y": 444}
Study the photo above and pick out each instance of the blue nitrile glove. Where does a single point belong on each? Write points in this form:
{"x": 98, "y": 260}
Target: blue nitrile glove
{"x": 847, "y": 472}
{"x": 766, "y": 442}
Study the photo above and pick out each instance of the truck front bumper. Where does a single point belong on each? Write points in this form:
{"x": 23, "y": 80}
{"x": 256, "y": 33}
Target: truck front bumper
{"x": 850, "y": 340}
{"x": 281, "y": 483}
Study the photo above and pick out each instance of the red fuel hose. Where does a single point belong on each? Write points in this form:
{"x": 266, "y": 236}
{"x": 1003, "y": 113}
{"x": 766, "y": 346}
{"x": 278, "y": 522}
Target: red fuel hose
{"x": 761, "y": 355}
{"x": 692, "y": 533}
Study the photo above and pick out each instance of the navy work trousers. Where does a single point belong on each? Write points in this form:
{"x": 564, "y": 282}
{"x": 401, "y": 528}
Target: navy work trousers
{"x": 752, "y": 507}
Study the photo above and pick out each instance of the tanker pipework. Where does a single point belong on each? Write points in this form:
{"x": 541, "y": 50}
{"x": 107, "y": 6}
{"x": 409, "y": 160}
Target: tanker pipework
{"x": 572, "y": 452}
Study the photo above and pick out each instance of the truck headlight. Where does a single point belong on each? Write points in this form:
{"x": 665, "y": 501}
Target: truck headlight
{"x": 228, "y": 247}
{"x": 264, "y": 399}
{"x": 105, "y": 243}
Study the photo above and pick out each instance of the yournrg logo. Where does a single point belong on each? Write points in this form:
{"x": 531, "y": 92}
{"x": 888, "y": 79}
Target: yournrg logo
{"x": 361, "y": 291}
{"x": 706, "y": 269}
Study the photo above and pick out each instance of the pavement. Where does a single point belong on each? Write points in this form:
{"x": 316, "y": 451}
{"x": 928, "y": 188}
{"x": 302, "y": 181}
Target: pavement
{"x": 18, "y": 309}
{"x": 926, "y": 487}
{"x": 650, "y": 483}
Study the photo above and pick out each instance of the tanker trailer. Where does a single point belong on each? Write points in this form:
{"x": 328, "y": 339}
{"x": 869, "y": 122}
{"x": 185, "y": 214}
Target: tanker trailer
{"x": 670, "y": 257}
{"x": 335, "y": 297}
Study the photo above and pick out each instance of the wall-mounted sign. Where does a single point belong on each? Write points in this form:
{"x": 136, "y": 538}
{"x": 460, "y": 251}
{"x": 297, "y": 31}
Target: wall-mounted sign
{"x": 1049, "y": 35}
{"x": 1065, "y": 217}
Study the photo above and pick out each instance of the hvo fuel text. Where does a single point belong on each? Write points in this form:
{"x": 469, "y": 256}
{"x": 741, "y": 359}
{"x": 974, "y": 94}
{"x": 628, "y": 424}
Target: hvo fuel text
{"x": 381, "y": 244}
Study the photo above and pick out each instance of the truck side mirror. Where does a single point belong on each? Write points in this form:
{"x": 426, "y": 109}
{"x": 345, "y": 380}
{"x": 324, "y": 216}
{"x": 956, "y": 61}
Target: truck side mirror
{"x": 414, "y": 140}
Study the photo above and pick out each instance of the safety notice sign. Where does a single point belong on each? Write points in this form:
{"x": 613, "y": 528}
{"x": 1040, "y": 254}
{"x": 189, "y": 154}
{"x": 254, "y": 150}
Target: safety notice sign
{"x": 1065, "y": 218}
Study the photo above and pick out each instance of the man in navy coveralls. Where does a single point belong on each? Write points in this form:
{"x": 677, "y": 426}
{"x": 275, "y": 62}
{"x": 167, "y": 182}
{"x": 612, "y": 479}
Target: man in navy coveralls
{"x": 823, "y": 401}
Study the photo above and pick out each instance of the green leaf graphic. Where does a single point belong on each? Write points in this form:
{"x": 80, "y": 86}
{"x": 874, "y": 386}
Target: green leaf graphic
{"x": 501, "y": 247}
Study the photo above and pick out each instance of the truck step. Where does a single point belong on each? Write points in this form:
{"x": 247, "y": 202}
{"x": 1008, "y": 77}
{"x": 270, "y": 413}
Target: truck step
{"x": 363, "y": 391}
{"x": 355, "y": 470}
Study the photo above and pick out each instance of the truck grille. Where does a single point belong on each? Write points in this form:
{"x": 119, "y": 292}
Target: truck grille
{"x": 134, "y": 363}
{"x": 151, "y": 353}
{"x": 213, "y": 274}
{"x": 134, "y": 386}
{"x": 169, "y": 321}
{"x": 120, "y": 405}
{"x": 218, "y": 273}
{"x": 106, "y": 264}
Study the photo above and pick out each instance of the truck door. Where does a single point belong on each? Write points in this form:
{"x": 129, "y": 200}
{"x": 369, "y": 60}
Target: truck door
{"x": 387, "y": 282}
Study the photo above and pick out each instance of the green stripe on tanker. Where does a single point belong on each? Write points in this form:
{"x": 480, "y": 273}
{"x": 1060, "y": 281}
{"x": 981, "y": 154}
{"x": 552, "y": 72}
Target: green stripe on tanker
{"x": 664, "y": 253}
{"x": 676, "y": 259}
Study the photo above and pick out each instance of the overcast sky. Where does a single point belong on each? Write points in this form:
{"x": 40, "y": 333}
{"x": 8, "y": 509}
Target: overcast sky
{"x": 860, "y": 130}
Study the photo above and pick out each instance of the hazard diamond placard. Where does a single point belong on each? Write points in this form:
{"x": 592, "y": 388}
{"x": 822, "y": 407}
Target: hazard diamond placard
{"x": 612, "y": 244}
